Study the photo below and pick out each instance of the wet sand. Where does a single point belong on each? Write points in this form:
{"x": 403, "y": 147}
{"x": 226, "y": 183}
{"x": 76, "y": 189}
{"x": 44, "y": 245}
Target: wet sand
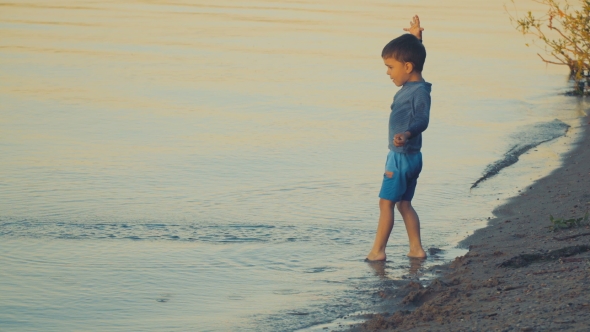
{"x": 518, "y": 274}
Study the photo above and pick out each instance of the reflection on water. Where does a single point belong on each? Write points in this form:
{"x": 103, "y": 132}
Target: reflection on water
{"x": 414, "y": 268}
{"x": 415, "y": 265}
{"x": 214, "y": 165}
{"x": 525, "y": 139}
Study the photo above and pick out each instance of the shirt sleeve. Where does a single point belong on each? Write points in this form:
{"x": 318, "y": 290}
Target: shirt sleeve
{"x": 421, "y": 104}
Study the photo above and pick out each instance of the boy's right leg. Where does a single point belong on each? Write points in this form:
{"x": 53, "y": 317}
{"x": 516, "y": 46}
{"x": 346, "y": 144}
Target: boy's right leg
{"x": 412, "y": 223}
{"x": 386, "y": 208}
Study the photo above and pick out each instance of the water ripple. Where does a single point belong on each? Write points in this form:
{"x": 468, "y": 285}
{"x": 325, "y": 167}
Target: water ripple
{"x": 196, "y": 232}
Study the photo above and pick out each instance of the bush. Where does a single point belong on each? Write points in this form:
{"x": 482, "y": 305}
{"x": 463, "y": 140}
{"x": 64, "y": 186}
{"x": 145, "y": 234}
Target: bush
{"x": 565, "y": 33}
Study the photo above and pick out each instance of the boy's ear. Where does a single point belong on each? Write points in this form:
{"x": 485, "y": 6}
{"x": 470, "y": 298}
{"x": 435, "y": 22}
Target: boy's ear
{"x": 409, "y": 67}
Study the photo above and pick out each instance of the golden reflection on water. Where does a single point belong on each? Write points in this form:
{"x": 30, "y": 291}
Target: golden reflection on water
{"x": 176, "y": 121}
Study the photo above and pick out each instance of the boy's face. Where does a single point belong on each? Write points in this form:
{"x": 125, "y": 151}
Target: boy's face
{"x": 399, "y": 72}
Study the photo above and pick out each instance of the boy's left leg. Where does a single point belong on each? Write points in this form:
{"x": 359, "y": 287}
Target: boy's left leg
{"x": 414, "y": 167}
{"x": 412, "y": 223}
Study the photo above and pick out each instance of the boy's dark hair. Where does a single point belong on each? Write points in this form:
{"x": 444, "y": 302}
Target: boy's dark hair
{"x": 406, "y": 48}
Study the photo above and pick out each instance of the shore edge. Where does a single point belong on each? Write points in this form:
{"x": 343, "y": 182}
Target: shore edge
{"x": 518, "y": 275}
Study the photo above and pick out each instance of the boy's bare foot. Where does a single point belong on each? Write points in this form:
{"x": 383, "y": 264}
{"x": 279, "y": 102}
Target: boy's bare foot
{"x": 376, "y": 257}
{"x": 419, "y": 253}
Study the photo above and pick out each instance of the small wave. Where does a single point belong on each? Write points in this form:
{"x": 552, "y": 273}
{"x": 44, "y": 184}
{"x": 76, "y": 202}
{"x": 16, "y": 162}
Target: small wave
{"x": 529, "y": 137}
{"x": 158, "y": 231}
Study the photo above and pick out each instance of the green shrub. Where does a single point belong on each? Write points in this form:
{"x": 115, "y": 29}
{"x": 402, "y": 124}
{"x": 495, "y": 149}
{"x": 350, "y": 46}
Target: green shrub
{"x": 557, "y": 224}
{"x": 565, "y": 34}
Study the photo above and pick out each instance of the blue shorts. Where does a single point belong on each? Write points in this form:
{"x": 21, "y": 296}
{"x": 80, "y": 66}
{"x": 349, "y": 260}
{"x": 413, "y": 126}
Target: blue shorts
{"x": 402, "y": 184}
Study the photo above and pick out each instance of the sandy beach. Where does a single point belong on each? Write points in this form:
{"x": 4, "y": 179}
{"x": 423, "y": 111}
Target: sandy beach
{"x": 518, "y": 275}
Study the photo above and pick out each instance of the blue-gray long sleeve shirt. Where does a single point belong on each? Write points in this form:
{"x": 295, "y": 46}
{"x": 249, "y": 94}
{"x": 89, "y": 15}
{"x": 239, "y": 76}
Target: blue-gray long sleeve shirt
{"x": 410, "y": 111}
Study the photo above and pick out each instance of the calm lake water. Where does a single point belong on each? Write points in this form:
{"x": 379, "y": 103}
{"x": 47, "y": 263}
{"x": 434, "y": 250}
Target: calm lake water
{"x": 214, "y": 165}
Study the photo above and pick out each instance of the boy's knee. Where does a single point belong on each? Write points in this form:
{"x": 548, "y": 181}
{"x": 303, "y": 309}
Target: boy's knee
{"x": 403, "y": 206}
{"x": 385, "y": 203}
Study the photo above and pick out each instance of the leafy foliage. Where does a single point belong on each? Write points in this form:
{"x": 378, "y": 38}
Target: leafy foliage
{"x": 565, "y": 33}
{"x": 567, "y": 223}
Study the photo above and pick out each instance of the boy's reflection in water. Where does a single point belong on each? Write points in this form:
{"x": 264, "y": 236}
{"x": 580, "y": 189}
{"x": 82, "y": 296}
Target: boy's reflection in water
{"x": 414, "y": 268}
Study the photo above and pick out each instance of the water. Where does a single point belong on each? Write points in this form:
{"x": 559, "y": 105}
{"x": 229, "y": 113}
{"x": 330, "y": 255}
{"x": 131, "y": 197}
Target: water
{"x": 214, "y": 165}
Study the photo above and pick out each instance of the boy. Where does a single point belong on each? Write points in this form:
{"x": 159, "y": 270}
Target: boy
{"x": 404, "y": 57}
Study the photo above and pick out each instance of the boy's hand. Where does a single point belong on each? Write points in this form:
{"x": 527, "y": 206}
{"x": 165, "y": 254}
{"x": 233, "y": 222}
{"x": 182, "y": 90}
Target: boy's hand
{"x": 415, "y": 28}
{"x": 401, "y": 139}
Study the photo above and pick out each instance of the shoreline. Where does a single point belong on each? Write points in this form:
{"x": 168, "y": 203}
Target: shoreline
{"x": 518, "y": 275}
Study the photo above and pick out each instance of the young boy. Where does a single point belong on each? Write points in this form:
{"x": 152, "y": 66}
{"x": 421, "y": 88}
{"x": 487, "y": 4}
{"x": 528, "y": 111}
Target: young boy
{"x": 404, "y": 57}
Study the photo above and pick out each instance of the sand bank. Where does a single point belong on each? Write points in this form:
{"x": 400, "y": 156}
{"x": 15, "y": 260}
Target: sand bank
{"x": 518, "y": 274}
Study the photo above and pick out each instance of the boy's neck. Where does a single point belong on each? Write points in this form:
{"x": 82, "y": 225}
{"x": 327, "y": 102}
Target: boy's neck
{"x": 415, "y": 77}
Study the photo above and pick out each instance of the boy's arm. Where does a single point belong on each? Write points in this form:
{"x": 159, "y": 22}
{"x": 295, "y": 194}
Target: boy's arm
{"x": 421, "y": 113}
{"x": 415, "y": 28}
{"x": 422, "y": 104}
{"x": 420, "y": 121}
